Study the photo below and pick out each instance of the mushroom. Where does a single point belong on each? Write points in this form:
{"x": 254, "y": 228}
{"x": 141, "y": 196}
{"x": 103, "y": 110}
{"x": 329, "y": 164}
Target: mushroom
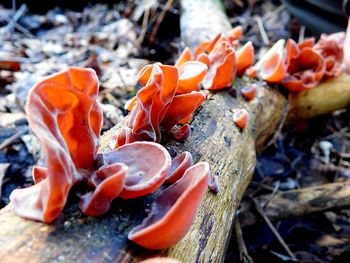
{"x": 108, "y": 181}
{"x": 245, "y": 58}
{"x": 153, "y": 100}
{"x": 223, "y": 66}
{"x": 191, "y": 73}
{"x": 178, "y": 166}
{"x": 61, "y": 123}
{"x": 182, "y": 133}
{"x": 331, "y": 48}
{"x": 307, "y": 71}
{"x": 240, "y": 118}
{"x": 148, "y": 164}
{"x": 173, "y": 212}
{"x": 249, "y": 92}
{"x": 274, "y": 68}
{"x": 182, "y": 106}
{"x": 185, "y": 56}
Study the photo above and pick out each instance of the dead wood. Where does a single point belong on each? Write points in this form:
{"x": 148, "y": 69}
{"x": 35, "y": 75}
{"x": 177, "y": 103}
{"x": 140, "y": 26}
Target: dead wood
{"x": 231, "y": 153}
{"x": 299, "y": 202}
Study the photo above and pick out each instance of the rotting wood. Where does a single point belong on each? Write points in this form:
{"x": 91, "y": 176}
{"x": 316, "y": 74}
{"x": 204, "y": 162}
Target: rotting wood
{"x": 74, "y": 237}
{"x": 300, "y": 202}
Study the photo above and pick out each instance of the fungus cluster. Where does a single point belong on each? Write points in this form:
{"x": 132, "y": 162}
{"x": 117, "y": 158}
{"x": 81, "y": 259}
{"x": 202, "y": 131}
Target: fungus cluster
{"x": 68, "y": 127}
{"x": 64, "y": 113}
{"x": 303, "y": 66}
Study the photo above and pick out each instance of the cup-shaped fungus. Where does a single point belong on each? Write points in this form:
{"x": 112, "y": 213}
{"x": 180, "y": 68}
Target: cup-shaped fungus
{"x": 153, "y": 100}
{"x": 108, "y": 182}
{"x": 61, "y": 123}
{"x": 148, "y": 167}
{"x": 182, "y": 106}
{"x": 173, "y": 212}
{"x": 240, "y": 118}
{"x": 182, "y": 133}
{"x": 249, "y": 92}
{"x": 191, "y": 73}
{"x": 178, "y": 166}
{"x": 223, "y": 66}
{"x": 308, "y": 71}
{"x": 185, "y": 56}
{"x": 331, "y": 48}
{"x": 274, "y": 68}
{"x": 245, "y": 58}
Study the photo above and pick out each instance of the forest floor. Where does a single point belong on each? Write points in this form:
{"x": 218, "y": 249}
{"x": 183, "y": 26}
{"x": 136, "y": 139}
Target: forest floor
{"x": 117, "y": 41}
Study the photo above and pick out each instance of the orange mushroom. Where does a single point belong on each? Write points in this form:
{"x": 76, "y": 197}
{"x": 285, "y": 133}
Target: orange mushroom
{"x": 182, "y": 106}
{"x": 307, "y": 71}
{"x": 235, "y": 33}
{"x": 245, "y": 58}
{"x": 249, "y": 92}
{"x": 309, "y": 42}
{"x": 240, "y": 118}
{"x": 153, "y": 100}
{"x": 182, "y": 133}
{"x": 178, "y": 166}
{"x": 191, "y": 73}
{"x": 273, "y": 69}
{"x": 61, "y": 123}
{"x": 185, "y": 56}
{"x": 173, "y": 212}
{"x": 148, "y": 166}
{"x": 223, "y": 67}
{"x": 108, "y": 182}
{"x": 206, "y": 47}
{"x": 331, "y": 48}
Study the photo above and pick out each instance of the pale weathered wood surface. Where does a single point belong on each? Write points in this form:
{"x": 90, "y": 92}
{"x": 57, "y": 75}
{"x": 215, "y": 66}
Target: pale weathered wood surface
{"x": 74, "y": 237}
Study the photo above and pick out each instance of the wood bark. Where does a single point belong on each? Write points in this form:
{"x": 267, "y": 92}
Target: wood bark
{"x": 231, "y": 153}
{"x": 300, "y": 202}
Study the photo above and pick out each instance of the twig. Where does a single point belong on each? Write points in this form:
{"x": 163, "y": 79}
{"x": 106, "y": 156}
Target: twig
{"x": 243, "y": 252}
{"x": 167, "y": 7}
{"x": 144, "y": 27}
{"x": 274, "y": 13}
{"x": 13, "y": 138}
{"x": 262, "y": 29}
{"x": 301, "y": 34}
{"x": 273, "y": 229}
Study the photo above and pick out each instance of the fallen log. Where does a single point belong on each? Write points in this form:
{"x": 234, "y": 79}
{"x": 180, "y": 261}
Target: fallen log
{"x": 300, "y": 202}
{"x": 230, "y": 152}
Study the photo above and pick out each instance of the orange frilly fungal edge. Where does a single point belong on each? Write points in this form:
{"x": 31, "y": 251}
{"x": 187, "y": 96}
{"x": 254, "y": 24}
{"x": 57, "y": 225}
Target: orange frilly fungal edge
{"x": 178, "y": 166}
{"x": 245, "y": 58}
{"x": 173, "y": 212}
{"x": 60, "y": 123}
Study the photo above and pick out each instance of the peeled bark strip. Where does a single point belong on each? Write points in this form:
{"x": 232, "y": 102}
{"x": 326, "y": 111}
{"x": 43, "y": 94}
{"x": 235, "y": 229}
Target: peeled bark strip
{"x": 301, "y": 202}
{"x": 74, "y": 237}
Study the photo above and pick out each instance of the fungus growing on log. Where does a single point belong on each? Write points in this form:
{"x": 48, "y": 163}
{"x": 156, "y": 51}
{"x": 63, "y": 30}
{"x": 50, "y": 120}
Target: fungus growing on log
{"x": 245, "y": 58}
{"x": 148, "y": 166}
{"x": 249, "y": 92}
{"x": 240, "y": 118}
{"x": 169, "y": 96}
{"x": 173, "y": 212}
{"x": 61, "y": 123}
{"x": 178, "y": 166}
